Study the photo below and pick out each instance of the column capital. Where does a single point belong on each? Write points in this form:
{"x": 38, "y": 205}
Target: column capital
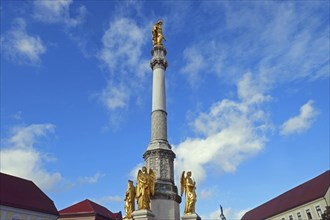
{"x": 158, "y": 60}
{"x": 158, "y": 63}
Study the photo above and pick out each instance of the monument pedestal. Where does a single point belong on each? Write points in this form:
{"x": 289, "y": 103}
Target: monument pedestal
{"x": 193, "y": 216}
{"x": 143, "y": 214}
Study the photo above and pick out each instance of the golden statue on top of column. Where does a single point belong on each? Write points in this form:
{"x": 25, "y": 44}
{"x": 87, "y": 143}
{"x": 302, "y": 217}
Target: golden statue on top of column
{"x": 157, "y": 33}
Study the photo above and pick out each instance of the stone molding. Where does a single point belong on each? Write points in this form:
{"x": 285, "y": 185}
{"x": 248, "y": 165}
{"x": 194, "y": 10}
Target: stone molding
{"x": 158, "y": 58}
{"x": 158, "y": 63}
{"x": 143, "y": 214}
{"x": 159, "y": 153}
{"x": 159, "y": 144}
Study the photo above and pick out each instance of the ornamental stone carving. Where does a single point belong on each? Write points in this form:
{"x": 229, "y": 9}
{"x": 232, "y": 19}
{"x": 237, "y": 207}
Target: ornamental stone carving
{"x": 161, "y": 161}
{"x": 158, "y": 58}
{"x": 158, "y": 125}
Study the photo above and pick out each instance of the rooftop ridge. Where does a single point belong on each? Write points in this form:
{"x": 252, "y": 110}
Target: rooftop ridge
{"x": 24, "y": 194}
{"x": 305, "y": 192}
{"x": 87, "y": 207}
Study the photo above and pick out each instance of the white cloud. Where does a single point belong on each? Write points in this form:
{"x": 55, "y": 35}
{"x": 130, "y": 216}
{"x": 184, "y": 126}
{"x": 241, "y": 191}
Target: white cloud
{"x": 206, "y": 193}
{"x": 58, "y": 12}
{"x": 121, "y": 52}
{"x": 19, "y": 46}
{"x": 277, "y": 50}
{"x": 251, "y": 90}
{"x": 230, "y": 131}
{"x": 301, "y": 122}
{"x": 285, "y": 50}
{"x": 239, "y": 214}
{"x": 17, "y": 115}
{"x": 213, "y": 215}
{"x": 200, "y": 59}
{"x": 91, "y": 179}
{"x": 19, "y": 157}
{"x": 134, "y": 171}
{"x": 115, "y": 96}
{"x": 107, "y": 199}
{"x": 195, "y": 64}
{"x": 273, "y": 44}
{"x": 122, "y": 42}
{"x": 229, "y": 213}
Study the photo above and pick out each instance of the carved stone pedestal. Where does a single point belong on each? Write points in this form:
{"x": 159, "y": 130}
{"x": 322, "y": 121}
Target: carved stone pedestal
{"x": 143, "y": 214}
{"x": 193, "y": 216}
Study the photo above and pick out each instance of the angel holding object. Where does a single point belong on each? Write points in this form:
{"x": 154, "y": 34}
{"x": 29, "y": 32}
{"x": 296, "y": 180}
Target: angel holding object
{"x": 189, "y": 186}
{"x": 157, "y": 33}
{"x": 145, "y": 188}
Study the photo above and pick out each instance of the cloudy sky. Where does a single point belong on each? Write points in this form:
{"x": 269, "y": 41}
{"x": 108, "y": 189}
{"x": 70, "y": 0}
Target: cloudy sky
{"x": 247, "y": 96}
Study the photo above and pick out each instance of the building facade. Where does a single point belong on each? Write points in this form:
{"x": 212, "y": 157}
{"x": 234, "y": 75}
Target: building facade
{"x": 21, "y": 199}
{"x": 304, "y": 202}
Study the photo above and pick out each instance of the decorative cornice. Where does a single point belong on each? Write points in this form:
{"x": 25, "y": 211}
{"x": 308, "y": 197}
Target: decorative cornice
{"x": 159, "y": 110}
{"x": 159, "y": 153}
{"x": 158, "y": 57}
{"x": 158, "y": 62}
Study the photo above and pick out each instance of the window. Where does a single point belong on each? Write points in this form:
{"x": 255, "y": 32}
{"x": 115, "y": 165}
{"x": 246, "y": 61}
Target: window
{"x": 290, "y": 217}
{"x": 319, "y": 211}
{"x": 309, "y": 214}
{"x": 299, "y": 216}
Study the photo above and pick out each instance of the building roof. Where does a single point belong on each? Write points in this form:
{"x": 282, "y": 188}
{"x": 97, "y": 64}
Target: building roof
{"x": 89, "y": 208}
{"x": 309, "y": 191}
{"x": 24, "y": 194}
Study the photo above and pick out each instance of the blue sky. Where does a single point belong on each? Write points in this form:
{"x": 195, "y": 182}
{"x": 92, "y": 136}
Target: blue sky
{"x": 247, "y": 96}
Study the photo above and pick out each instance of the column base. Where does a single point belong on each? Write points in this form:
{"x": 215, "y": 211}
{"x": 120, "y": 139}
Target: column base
{"x": 193, "y": 216}
{"x": 165, "y": 209}
{"x": 143, "y": 214}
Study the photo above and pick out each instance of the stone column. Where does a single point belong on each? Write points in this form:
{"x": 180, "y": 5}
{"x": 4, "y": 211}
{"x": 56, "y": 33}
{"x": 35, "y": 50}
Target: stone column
{"x": 159, "y": 156}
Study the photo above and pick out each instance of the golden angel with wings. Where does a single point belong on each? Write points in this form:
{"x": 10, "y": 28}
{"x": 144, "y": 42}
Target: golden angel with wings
{"x": 145, "y": 188}
{"x": 189, "y": 185}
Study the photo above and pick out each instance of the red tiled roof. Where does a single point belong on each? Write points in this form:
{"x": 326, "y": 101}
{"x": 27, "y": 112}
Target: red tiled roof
{"x": 24, "y": 194}
{"x": 89, "y": 208}
{"x": 304, "y": 193}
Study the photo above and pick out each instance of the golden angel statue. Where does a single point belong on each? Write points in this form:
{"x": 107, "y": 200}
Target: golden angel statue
{"x": 157, "y": 33}
{"x": 130, "y": 199}
{"x": 189, "y": 185}
{"x": 145, "y": 188}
